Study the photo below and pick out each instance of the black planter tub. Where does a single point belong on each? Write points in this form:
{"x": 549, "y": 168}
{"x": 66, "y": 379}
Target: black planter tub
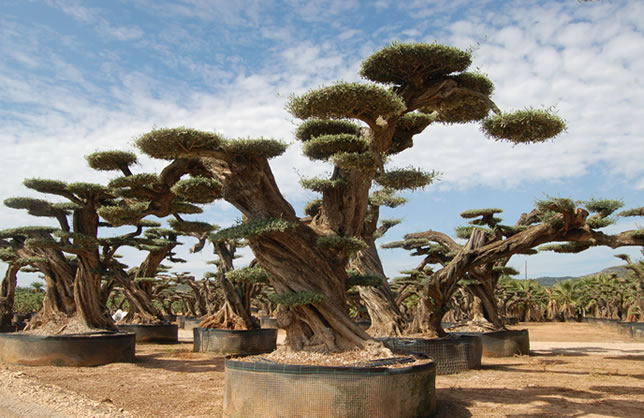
{"x": 452, "y": 354}
{"x": 152, "y": 333}
{"x": 76, "y": 350}
{"x": 503, "y": 343}
{"x": 263, "y": 389}
{"x": 223, "y": 341}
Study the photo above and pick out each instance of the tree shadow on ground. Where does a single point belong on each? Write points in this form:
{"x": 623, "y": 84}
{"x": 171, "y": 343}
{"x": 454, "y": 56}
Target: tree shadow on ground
{"x": 581, "y": 351}
{"x": 182, "y": 362}
{"x": 509, "y": 368}
{"x": 546, "y": 401}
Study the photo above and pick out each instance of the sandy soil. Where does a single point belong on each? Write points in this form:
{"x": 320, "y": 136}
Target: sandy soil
{"x": 575, "y": 369}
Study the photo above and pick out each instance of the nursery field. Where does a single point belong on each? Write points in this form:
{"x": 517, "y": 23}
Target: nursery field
{"x": 575, "y": 369}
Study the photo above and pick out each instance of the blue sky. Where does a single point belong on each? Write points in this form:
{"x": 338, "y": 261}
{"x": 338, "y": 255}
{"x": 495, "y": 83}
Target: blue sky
{"x": 82, "y": 76}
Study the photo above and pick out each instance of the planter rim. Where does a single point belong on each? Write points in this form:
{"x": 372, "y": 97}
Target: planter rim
{"x": 237, "y": 331}
{"x": 147, "y": 325}
{"x": 90, "y": 335}
{"x": 335, "y": 370}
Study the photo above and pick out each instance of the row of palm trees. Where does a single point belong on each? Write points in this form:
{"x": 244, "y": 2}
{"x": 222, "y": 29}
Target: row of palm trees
{"x": 599, "y": 295}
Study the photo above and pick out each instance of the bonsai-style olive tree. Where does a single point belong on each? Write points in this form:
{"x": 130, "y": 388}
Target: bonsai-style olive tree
{"x": 75, "y": 300}
{"x": 482, "y": 260}
{"x": 355, "y": 127}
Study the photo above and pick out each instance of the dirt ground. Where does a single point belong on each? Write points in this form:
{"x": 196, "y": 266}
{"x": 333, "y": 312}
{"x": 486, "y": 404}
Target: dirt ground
{"x": 575, "y": 369}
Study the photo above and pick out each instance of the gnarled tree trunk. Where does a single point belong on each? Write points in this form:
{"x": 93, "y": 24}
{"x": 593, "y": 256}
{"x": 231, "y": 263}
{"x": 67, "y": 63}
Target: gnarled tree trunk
{"x": 7, "y": 296}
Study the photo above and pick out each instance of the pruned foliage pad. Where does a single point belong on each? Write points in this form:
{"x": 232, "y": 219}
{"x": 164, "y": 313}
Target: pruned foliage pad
{"x": 345, "y": 244}
{"x": 123, "y": 215}
{"x": 357, "y": 279}
{"x": 296, "y": 298}
{"x": 410, "y": 178}
{"x": 386, "y": 197}
{"x": 603, "y": 207}
{"x": 198, "y": 189}
{"x": 188, "y": 227}
{"x": 254, "y": 148}
{"x": 321, "y": 185}
{"x": 255, "y": 274}
{"x": 253, "y": 229}
{"x": 475, "y": 213}
{"x": 399, "y": 63}
{"x": 111, "y": 160}
{"x": 325, "y": 146}
{"x": 169, "y": 144}
{"x": 347, "y": 101}
{"x": 524, "y": 126}
{"x": 314, "y": 128}
{"x": 135, "y": 180}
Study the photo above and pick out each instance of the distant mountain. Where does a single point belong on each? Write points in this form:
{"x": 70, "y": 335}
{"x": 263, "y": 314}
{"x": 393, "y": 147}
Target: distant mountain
{"x": 548, "y": 281}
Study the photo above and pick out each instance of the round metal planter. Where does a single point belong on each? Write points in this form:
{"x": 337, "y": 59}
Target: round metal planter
{"x": 259, "y": 389}
{"x": 503, "y": 343}
{"x": 153, "y": 333}
{"x": 225, "y": 341}
{"x": 452, "y": 354}
{"x": 76, "y": 350}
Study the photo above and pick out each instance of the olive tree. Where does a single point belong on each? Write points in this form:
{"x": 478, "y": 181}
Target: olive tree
{"x": 355, "y": 127}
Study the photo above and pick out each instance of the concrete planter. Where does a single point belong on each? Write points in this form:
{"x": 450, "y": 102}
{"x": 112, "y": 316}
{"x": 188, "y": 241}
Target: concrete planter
{"x": 152, "y": 333}
{"x": 267, "y": 322}
{"x": 225, "y": 341}
{"x": 260, "y": 389}
{"x": 75, "y": 350}
{"x": 503, "y": 343}
{"x": 191, "y": 323}
{"x": 452, "y": 354}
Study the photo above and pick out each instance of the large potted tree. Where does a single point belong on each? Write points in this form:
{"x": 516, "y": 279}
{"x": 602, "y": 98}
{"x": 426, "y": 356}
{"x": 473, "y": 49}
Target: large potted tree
{"x": 78, "y": 264}
{"x": 355, "y": 127}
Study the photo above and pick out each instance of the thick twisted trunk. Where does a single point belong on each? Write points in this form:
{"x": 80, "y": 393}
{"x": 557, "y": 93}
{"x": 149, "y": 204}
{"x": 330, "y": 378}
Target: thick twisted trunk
{"x": 7, "y": 296}
{"x": 292, "y": 258}
{"x": 386, "y": 318}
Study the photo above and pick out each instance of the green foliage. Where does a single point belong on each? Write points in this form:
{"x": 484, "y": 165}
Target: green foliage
{"x": 637, "y": 233}
{"x": 184, "y": 207}
{"x": 464, "y": 232}
{"x": 386, "y": 197}
{"x": 253, "y": 229}
{"x": 198, "y": 189}
{"x": 111, "y": 160}
{"x": 313, "y": 207}
{"x": 409, "y": 178}
{"x": 313, "y": 128}
{"x": 26, "y": 300}
{"x": 566, "y": 248}
{"x": 89, "y": 191}
{"x": 248, "y": 275}
{"x": 168, "y": 144}
{"x": 475, "y": 213}
{"x": 524, "y": 126}
{"x": 321, "y": 185}
{"x": 474, "y": 81}
{"x": 35, "y": 207}
{"x": 135, "y": 180}
{"x": 632, "y": 212}
{"x": 554, "y": 206}
{"x": 596, "y": 222}
{"x": 8, "y": 254}
{"x": 254, "y": 148}
{"x": 389, "y": 223}
{"x": 80, "y": 241}
{"x": 603, "y": 207}
{"x": 408, "y": 244}
{"x": 296, "y": 298}
{"x": 188, "y": 227}
{"x": 26, "y": 231}
{"x": 459, "y": 107}
{"x": 505, "y": 270}
{"x": 354, "y": 160}
{"x": 347, "y": 100}
{"x": 123, "y": 215}
{"x": 344, "y": 244}
{"x": 325, "y": 146}
{"x": 357, "y": 279}
{"x": 56, "y": 187}
{"x": 400, "y": 63}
